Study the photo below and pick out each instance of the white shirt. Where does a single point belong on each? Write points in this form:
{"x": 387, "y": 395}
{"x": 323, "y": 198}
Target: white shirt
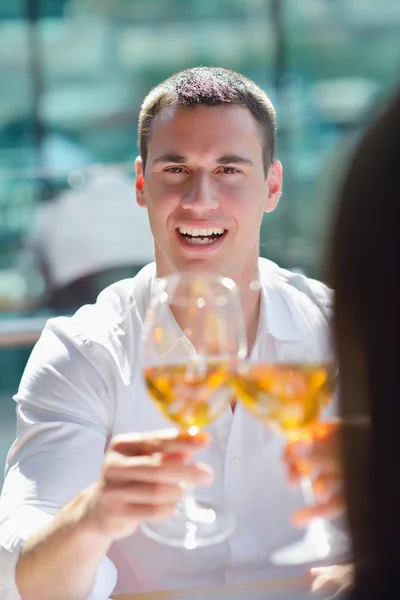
{"x": 83, "y": 384}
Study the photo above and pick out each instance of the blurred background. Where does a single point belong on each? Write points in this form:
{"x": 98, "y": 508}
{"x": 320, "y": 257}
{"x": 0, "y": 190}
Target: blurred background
{"x": 73, "y": 74}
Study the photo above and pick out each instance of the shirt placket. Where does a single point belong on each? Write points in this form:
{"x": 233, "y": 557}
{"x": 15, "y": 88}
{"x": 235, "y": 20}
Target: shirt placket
{"x": 241, "y": 544}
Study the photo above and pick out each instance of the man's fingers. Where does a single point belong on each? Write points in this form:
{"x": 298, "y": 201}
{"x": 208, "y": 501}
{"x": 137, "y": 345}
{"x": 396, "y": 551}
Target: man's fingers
{"x": 293, "y": 475}
{"x": 326, "y": 485}
{"x": 149, "y": 512}
{"x": 317, "y": 452}
{"x": 326, "y": 510}
{"x": 172, "y": 471}
{"x": 165, "y": 440}
{"x": 305, "y": 457}
{"x": 332, "y": 579}
{"x": 298, "y": 469}
{"x": 145, "y": 493}
{"x": 155, "y": 469}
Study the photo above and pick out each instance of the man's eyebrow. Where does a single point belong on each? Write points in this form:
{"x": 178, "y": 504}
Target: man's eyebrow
{"x": 226, "y": 159}
{"x": 170, "y": 157}
{"x": 229, "y": 159}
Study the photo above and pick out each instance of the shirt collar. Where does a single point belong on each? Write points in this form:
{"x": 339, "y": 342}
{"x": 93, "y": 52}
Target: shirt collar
{"x": 276, "y": 317}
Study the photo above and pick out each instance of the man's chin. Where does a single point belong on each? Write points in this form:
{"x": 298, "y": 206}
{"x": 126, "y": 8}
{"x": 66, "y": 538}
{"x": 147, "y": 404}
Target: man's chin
{"x": 207, "y": 264}
{"x": 202, "y": 265}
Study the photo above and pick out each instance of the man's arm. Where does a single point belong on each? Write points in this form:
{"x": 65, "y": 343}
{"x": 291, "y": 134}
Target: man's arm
{"x": 59, "y": 467}
{"x": 62, "y": 559}
{"x": 140, "y": 481}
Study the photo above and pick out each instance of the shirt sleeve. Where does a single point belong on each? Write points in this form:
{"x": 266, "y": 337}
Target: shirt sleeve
{"x": 64, "y": 422}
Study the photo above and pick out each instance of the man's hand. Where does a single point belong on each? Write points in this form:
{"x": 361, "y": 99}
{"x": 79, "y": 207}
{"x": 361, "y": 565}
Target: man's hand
{"x": 141, "y": 480}
{"x": 317, "y": 456}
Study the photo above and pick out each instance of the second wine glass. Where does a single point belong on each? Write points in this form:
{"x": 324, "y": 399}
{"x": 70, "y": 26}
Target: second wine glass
{"x": 194, "y": 336}
{"x": 289, "y": 394}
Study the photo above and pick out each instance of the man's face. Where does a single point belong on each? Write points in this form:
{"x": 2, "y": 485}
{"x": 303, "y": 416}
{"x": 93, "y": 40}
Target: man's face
{"x": 205, "y": 189}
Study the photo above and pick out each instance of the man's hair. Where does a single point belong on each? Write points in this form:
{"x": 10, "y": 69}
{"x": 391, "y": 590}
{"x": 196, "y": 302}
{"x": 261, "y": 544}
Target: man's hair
{"x": 210, "y": 86}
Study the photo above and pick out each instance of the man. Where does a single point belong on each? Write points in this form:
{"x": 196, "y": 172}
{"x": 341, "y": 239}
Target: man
{"x": 206, "y": 169}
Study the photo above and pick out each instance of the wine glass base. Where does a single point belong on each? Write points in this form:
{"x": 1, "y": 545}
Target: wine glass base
{"x": 210, "y": 525}
{"x": 321, "y": 541}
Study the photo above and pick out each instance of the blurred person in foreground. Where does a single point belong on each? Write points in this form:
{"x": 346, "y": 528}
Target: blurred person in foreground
{"x": 93, "y": 458}
{"x": 363, "y": 267}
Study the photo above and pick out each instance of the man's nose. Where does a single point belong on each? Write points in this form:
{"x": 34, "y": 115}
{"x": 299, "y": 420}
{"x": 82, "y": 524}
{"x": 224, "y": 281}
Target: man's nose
{"x": 201, "y": 195}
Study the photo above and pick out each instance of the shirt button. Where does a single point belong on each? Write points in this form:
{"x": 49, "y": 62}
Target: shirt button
{"x": 235, "y": 462}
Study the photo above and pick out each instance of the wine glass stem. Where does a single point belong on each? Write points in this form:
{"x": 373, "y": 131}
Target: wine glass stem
{"x": 308, "y": 492}
{"x": 188, "y": 505}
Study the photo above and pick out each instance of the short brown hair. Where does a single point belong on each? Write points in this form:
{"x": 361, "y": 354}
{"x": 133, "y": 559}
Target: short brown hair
{"x": 210, "y": 86}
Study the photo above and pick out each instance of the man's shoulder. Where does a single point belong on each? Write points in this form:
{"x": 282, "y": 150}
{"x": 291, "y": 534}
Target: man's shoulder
{"x": 319, "y": 293}
{"x": 117, "y": 313}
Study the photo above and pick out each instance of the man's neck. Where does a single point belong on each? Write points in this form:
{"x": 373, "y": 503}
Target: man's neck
{"x": 250, "y": 294}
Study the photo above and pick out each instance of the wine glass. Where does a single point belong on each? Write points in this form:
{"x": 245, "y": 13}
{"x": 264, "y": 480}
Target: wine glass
{"x": 289, "y": 394}
{"x": 193, "y": 337}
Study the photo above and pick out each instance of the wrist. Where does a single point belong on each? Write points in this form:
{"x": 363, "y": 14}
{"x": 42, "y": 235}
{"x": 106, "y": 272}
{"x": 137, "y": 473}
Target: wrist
{"x": 86, "y": 518}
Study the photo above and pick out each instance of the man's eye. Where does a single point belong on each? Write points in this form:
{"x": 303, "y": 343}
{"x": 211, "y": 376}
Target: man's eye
{"x": 174, "y": 170}
{"x": 229, "y": 170}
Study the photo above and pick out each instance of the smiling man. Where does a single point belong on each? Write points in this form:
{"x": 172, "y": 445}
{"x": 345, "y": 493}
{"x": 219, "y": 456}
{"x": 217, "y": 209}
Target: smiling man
{"x": 78, "y": 483}
{"x": 206, "y": 172}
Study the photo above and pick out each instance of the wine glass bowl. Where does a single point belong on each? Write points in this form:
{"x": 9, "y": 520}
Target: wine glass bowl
{"x": 193, "y": 394}
{"x": 286, "y": 396}
{"x": 193, "y": 339}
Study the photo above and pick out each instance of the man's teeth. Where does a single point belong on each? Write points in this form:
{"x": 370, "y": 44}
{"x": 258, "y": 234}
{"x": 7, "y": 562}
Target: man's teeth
{"x": 200, "y": 240}
{"x": 201, "y": 235}
{"x": 196, "y": 231}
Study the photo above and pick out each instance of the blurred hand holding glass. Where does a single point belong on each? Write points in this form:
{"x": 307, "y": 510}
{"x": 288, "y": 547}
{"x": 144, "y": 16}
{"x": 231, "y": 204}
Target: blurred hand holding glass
{"x": 194, "y": 337}
{"x": 289, "y": 394}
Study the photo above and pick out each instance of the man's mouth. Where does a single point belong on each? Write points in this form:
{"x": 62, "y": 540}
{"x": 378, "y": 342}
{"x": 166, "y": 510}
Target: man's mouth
{"x": 201, "y": 235}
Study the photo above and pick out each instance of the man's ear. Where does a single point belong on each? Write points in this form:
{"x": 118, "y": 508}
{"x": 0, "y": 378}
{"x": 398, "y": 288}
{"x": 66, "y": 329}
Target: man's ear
{"x": 139, "y": 184}
{"x": 274, "y": 185}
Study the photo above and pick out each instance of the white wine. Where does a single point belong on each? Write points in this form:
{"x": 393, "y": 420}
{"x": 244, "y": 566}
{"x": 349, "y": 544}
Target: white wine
{"x": 192, "y": 394}
{"x": 290, "y": 395}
